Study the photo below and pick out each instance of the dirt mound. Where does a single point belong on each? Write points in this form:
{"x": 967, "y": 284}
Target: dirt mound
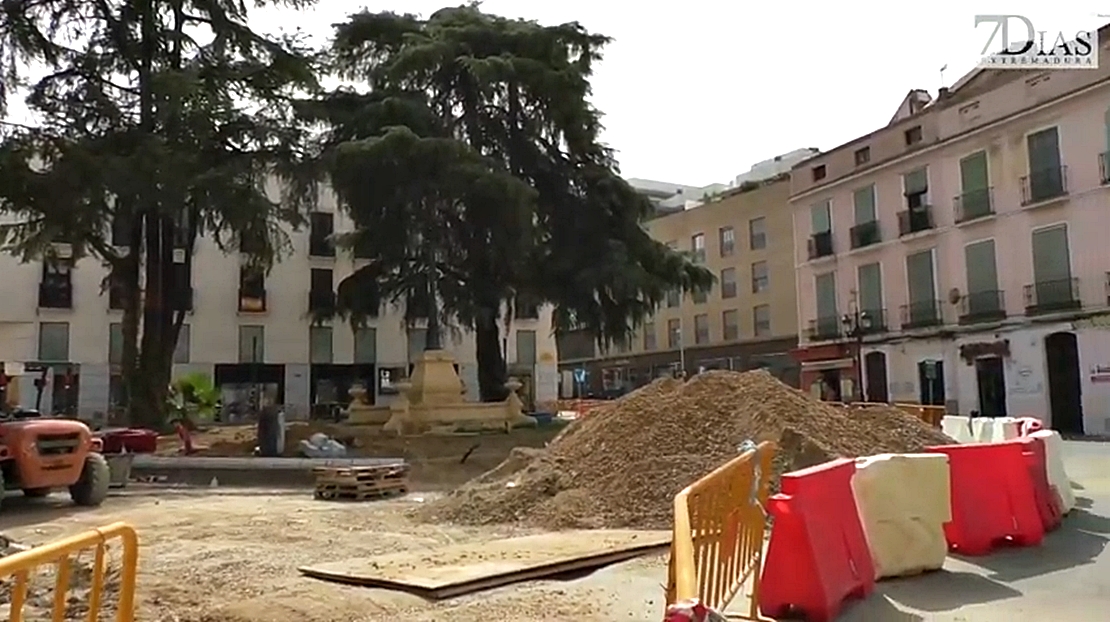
{"x": 622, "y": 465}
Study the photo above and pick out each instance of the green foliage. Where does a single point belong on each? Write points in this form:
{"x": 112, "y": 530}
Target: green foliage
{"x": 194, "y": 396}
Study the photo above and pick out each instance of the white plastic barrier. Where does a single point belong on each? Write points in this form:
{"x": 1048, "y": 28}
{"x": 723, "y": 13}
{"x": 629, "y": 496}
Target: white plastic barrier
{"x": 1054, "y": 464}
{"x": 903, "y": 502}
{"x": 981, "y": 429}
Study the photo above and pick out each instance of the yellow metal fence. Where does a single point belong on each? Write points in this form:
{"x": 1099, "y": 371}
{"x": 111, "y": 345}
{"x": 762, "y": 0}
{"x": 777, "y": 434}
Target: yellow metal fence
{"x": 719, "y": 524}
{"x": 61, "y": 554}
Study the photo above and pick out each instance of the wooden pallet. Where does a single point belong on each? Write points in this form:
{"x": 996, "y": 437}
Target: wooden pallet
{"x": 337, "y": 492}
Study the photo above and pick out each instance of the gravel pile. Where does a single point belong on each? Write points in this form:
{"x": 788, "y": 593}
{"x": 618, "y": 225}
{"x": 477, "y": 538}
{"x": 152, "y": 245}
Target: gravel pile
{"x": 622, "y": 465}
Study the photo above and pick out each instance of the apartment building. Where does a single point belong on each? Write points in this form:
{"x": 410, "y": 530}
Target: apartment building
{"x": 745, "y": 237}
{"x": 244, "y": 329}
{"x": 958, "y": 256}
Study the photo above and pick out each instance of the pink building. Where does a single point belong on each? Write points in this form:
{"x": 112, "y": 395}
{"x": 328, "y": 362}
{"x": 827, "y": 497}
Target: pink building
{"x": 961, "y": 254}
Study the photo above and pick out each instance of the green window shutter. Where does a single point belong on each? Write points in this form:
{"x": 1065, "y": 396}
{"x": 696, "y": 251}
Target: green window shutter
{"x": 864, "y": 199}
{"x": 870, "y": 287}
{"x": 820, "y": 219}
{"x": 973, "y": 172}
{"x": 919, "y": 270}
{"x": 1050, "y": 255}
{"x": 826, "y": 295}
{"x": 916, "y": 182}
{"x": 1044, "y": 150}
{"x": 982, "y": 272}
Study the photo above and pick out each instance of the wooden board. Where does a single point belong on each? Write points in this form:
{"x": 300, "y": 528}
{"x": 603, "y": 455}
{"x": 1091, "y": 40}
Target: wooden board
{"x": 448, "y": 571}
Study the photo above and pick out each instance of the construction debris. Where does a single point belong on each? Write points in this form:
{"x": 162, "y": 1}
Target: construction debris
{"x": 321, "y": 445}
{"x": 621, "y": 466}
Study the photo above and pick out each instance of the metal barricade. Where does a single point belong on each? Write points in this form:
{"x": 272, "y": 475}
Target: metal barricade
{"x": 60, "y": 553}
{"x": 719, "y": 524}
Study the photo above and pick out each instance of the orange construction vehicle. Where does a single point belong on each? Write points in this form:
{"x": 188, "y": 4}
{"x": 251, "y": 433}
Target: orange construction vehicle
{"x": 39, "y": 455}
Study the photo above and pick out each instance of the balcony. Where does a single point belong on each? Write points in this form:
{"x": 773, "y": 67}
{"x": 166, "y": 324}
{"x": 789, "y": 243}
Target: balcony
{"x": 1104, "y": 168}
{"x": 181, "y": 298}
{"x": 981, "y": 307}
{"x": 1052, "y": 296}
{"x": 55, "y": 295}
{"x": 820, "y": 245}
{"x": 1044, "y": 185}
{"x": 922, "y": 314}
{"x": 321, "y": 301}
{"x": 824, "y": 328}
{"x": 915, "y": 220}
{"x": 252, "y": 300}
{"x": 865, "y": 234}
{"x": 974, "y": 204}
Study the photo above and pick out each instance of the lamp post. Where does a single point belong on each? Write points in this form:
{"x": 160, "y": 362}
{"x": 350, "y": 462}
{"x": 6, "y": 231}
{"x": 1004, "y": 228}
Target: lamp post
{"x": 856, "y": 325}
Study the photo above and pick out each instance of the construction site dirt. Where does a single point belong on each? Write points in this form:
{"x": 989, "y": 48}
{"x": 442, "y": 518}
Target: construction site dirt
{"x": 231, "y": 555}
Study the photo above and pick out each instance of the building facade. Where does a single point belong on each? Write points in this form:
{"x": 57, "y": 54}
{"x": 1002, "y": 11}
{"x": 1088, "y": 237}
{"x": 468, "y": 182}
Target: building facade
{"x": 748, "y": 320}
{"x": 247, "y": 331}
{"x": 958, "y": 256}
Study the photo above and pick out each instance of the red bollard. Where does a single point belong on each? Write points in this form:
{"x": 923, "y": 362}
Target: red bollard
{"x": 1049, "y": 505}
{"x": 818, "y": 555}
{"x": 993, "y": 498}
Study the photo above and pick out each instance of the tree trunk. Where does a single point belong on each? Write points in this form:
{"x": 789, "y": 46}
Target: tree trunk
{"x": 492, "y": 373}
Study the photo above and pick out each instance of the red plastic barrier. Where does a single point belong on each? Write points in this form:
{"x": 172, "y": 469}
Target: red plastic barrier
{"x": 993, "y": 498}
{"x": 1049, "y": 505}
{"x": 818, "y": 555}
{"x": 134, "y": 440}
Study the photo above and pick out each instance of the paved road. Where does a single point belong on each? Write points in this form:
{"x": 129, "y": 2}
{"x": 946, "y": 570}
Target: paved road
{"x": 1067, "y": 578}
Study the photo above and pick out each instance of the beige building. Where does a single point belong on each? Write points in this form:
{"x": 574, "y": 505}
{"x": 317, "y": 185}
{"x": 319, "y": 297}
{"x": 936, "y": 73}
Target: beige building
{"x": 749, "y": 319}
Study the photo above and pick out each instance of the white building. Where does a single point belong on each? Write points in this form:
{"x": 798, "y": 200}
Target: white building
{"x": 241, "y": 337}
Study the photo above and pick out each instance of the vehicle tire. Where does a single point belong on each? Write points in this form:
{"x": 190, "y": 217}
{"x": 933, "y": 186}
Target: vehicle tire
{"x": 36, "y": 493}
{"x": 92, "y": 488}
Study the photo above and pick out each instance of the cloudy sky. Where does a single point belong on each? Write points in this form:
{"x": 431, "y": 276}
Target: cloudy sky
{"x": 697, "y": 91}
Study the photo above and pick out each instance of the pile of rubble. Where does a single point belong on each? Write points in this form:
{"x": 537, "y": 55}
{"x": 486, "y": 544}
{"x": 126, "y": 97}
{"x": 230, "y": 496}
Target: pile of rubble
{"x": 622, "y": 465}
{"x": 39, "y": 604}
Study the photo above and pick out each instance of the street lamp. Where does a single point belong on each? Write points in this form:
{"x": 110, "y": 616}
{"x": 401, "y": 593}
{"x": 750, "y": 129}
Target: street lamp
{"x": 856, "y": 325}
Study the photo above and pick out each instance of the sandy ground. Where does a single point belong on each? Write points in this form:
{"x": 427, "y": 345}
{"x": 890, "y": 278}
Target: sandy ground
{"x": 231, "y": 556}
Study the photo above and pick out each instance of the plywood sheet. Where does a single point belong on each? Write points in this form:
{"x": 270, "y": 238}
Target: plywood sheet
{"x": 452, "y": 570}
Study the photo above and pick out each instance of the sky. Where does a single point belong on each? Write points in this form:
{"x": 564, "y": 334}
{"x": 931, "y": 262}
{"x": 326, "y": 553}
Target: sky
{"x": 695, "y": 92}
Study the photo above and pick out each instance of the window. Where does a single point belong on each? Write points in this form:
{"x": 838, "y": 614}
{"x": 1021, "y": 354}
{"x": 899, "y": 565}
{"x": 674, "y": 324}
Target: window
{"x": 921, "y": 277}
{"x": 1046, "y": 175}
{"x": 864, "y": 202}
{"x": 913, "y": 135}
{"x": 649, "y": 336}
{"x": 321, "y": 294}
{"x": 252, "y": 344}
{"x": 252, "y": 289}
{"x": 820, "y": 216}
{"x": 701, "y": 329}
{"x": 115, "y": 343}
{"x": 819, "y": 172}
{"x": 825, "y": 286}
{"x": 699, "y": 297}
{"x": 1051, "y": 267}
{"x": 115, "y": 289}
{"x": 982, "y": 295}
{"x": 181, "y": 294}
{"x": 319, "y": 345}
{"x": 56, "y": 287}
{"x": 974, "y": 200}
{"x": 674, "y": 298}
{"x": 863, "y": 156}
{"x": 727, "y": 238}
{"x": 761, "y": 320}
{"x": 697, "y": 245}
{"x": 418, "y": 340}
{"x": 54, "y": 341}
{"x": 757, "y": 233}
{"x": 728, "y": 283}
{"x": 871, "y": 292}
{"x": 916, "y": 186}
{"x": 674, "y": 334}
{"x": 322, "y": 226}
{"x": 760, "y": 277}
{"x": 526, "y": 347}
{"x": 366, "y": 345}
{"x": 183, "y": 346}
{"x": 526, "y": 309}
{"x": 181, "y": 230}
{"x": 121, "y": 230}
{"x": 730, "y": 325}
